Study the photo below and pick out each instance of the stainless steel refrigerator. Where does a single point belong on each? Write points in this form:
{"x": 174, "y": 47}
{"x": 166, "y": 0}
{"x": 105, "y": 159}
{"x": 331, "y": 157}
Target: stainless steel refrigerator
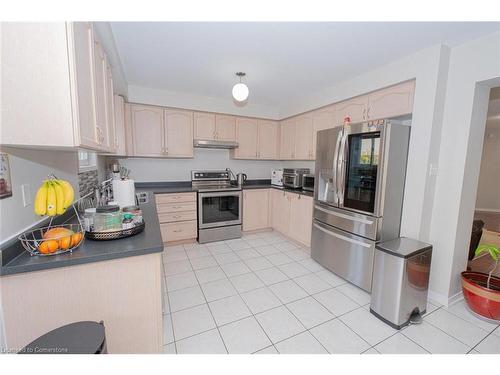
{"x": 358, "y": 195}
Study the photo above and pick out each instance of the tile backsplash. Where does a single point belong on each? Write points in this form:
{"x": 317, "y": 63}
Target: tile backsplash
{"x": 87, "y": 181}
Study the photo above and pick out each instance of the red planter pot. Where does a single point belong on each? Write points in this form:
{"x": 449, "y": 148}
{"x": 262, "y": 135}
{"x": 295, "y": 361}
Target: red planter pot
{"x": 481, "y": 300}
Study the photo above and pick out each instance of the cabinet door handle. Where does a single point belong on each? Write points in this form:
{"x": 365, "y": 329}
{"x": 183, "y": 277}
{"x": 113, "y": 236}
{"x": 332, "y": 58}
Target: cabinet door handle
{"x": 368, "y": 113}
{"x": 299, "y": 196}
{"x": 177, "y": 230}
{"x": 364, "y": 113}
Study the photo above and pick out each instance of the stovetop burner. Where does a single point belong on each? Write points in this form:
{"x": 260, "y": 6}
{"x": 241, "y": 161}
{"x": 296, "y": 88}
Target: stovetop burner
{"x": 206, "y": 181}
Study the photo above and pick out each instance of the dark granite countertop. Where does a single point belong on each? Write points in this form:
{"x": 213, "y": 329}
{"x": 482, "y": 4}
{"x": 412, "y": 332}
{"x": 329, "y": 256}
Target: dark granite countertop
{"x": 185, "y": 186}
{"x": 147, "y": 242}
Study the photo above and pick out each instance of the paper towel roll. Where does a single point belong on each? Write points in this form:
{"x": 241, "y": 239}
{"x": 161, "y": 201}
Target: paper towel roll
{"x": 124, "y": 192}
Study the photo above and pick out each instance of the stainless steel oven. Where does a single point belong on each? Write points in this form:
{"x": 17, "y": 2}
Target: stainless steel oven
{"x": 219, "y": 205}
{"x": 220, "y": 208}
{"x": 360, "y": 177}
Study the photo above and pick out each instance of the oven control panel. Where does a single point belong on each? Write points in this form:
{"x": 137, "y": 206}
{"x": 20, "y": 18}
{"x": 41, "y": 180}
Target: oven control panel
{"x": 209, "y": 175}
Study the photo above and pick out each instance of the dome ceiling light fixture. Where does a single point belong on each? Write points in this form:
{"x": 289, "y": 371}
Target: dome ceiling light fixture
{"x": 240, "y": 90}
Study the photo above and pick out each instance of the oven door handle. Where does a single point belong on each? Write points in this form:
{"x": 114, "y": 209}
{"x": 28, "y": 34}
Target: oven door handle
{"x": 221, "y": 194}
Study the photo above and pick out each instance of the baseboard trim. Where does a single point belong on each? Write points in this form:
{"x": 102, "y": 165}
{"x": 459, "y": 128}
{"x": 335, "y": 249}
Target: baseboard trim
{"x": 443, "y": 300}
{"x": 487, "y": 210}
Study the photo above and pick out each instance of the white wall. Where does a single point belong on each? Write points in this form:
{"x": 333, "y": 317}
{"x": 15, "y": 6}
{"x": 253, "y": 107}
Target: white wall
{"x": 167, "y": 98}
{"x": 474, "y": 68}
{"x": 151, "y": 170}
{"x": 488, "y": 195}
{"x": 32, "y": 167}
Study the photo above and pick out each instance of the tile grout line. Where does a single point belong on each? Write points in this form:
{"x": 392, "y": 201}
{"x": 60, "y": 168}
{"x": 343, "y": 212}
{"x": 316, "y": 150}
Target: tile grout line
{"x": 210, "y": 310}
{"x": 449, "y": 334}
{"x": 169, "y": 308}
{"x": 251, "y": 312}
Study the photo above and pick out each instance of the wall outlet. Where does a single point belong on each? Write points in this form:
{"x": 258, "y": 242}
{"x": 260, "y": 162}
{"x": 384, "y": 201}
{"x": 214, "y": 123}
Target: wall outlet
{"x": 26, "y": 194}
{"x": 433, "y": 170}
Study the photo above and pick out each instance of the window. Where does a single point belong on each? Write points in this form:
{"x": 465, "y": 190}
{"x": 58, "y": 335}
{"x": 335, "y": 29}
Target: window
{"x": 86, "y": 160}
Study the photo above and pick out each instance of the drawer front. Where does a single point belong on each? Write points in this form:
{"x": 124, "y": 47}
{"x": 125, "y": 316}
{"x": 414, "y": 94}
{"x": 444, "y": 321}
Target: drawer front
{"x": 343, "y": 253}
{"x": 165, "y": 208}
{"x": 175, "y": 198}
{"x": 177, "y": 216}
{"x": 179, "y": 231}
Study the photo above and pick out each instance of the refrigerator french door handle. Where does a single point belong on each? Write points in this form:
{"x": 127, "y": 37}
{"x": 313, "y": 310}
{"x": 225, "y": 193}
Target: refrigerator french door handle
{"x": 341, "y": 169}
{"x": 336, "y": 163}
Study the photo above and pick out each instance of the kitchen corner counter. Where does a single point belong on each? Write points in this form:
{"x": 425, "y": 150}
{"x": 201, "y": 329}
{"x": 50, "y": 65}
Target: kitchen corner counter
{"x": 267, "y": 185}
{"x": 147, "y": 242}
{"x": 185, "y": 186}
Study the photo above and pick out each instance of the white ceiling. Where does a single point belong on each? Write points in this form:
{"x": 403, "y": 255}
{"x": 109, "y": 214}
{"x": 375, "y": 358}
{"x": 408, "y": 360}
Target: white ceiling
{"x": 283, "y": 61}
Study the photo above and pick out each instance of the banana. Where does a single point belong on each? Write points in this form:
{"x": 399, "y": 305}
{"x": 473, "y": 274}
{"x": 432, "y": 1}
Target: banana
{"x": 41, "y": 199}
{"x": 69, "y": 193}
{"x": 59, "y": 197}
{"x": 51, "y": 199}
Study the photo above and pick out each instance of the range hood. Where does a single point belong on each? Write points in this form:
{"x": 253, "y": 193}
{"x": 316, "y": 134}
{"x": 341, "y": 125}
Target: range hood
{"x": 203, "y": 143}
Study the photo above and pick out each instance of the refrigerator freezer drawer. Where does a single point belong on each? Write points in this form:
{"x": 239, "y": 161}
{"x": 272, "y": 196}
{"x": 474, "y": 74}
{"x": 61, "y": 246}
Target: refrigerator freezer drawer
{"x": 343, "y": 253}
{"x": 361, "y": 225}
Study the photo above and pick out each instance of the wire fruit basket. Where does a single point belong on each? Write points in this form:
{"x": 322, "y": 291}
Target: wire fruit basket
{"x": 52, "y": 240}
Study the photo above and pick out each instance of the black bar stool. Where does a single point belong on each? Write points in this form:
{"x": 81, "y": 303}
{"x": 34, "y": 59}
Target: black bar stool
{"x": 75, "y": 338}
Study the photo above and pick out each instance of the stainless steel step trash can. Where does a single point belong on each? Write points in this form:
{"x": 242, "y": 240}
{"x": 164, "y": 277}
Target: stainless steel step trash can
{"x": 400, "y": 281}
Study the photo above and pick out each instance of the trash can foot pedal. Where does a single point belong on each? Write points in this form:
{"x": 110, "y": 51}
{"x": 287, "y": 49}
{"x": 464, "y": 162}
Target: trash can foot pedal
{"x": 416, "y": 318}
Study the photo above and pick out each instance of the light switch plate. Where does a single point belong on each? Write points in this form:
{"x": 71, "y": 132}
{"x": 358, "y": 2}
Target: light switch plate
{"x": 26, "y": 194}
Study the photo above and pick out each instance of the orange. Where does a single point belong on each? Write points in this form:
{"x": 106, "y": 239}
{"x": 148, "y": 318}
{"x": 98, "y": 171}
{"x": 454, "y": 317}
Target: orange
{"x": 65, "y": 243}
{"x": 57, "y": 232}
{"x": 76, "y": 238}
{"x": 49, "y": 246}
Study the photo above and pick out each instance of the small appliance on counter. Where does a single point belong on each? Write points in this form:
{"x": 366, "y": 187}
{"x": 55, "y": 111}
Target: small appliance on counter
{"x": 308, "y": 182}
{"x": 277, "y": 177}
{"x": 241, "y": 178}
{"x": 292, "y": 177}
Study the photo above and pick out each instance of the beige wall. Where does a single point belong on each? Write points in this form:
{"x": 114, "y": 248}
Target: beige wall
{"x": 31, "y": 167}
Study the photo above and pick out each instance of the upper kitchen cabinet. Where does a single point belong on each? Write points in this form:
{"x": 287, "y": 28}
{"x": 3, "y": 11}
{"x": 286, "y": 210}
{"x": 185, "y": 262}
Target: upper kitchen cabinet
{"x": 355, "y": 108}
{"x": 287, "y": 139}
{"x": 225, "y": 128}
{"x": 58, "y": 108}
{"x": 268, "y": 146}
{"x": 322, "y": 119}
{"x": 210, "y": 126}
{"x": 100, "y": 77}
{"x": 178, "y": 133}
{"x": 159, "y": 132}
{"x": 247, "y": 136}
{"x": 391, "y": 102}
{"x": 119, "y": 107}
{"x": 112, "y": 143}
{"x": 145, "y": 131}
{"x": 204, "y": 126}
{"x": 303, "y": 149}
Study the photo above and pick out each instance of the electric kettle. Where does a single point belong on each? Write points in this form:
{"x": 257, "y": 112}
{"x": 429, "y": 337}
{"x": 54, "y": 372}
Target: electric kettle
{"x": 241, "y": 178}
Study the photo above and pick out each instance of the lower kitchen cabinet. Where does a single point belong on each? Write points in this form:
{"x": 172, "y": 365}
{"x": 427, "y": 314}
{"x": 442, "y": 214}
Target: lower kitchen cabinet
{"x": 179, "y": 231}
{"x": 292, "y": 215}
{"x": 301, "y": 209}
{"x": 177, "y": 216}
{"x": 256, "y": 209}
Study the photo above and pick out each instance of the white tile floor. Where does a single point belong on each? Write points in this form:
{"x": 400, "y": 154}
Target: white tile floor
{"x": 264, "y": 294}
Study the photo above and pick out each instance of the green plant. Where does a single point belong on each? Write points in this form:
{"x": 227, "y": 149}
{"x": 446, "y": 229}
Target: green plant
{"x": 494, "y": 252}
